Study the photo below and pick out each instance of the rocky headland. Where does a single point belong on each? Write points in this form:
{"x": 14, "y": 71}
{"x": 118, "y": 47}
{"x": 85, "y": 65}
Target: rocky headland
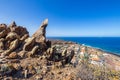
{"x": 24, "y": 57}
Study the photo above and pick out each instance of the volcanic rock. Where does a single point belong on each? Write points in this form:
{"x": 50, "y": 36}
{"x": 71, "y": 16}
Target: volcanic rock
{"x": 28, "y": 56}
{"x": 40, "y": 34}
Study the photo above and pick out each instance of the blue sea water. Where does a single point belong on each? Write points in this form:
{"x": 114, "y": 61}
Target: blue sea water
{"x": 109, "y": 44}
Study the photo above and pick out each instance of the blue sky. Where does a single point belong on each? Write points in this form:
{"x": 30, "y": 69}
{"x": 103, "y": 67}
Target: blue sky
{"x": 66, "y": 17}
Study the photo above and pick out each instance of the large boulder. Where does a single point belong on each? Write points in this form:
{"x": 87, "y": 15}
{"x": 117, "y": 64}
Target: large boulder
{"x": 40, "y": 34}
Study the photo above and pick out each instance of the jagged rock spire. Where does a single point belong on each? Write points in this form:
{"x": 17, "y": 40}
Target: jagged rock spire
{"x": 44, "y": 23}
{"x": 13, "y": 24}
{"x": 40, "y": 34}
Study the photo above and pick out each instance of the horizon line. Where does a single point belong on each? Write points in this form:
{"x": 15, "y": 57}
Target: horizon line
{"x": 82, "y": 36}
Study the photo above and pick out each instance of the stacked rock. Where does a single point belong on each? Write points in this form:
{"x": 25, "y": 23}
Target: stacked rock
{"x": 16, "y": 39}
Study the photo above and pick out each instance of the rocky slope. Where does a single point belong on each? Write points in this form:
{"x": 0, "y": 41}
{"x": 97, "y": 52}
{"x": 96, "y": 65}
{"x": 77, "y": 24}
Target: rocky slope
{"x": 36, "y": 58}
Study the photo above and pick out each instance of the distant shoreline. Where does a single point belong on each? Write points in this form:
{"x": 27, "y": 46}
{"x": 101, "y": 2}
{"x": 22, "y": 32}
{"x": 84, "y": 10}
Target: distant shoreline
{"x": 104, "y": 51}
{"x": 97, "y": 48}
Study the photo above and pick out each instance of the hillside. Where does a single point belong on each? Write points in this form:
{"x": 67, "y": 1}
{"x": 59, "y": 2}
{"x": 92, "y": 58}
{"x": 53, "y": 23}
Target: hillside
{"x": 36, "y": 58}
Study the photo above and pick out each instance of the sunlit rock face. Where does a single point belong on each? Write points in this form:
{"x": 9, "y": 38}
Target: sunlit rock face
{"x": 40, "y": 34}
{"x": 15, "y": 38}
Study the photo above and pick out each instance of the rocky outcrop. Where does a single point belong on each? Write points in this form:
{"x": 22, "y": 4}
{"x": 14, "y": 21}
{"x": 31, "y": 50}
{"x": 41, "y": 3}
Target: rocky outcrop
{"x": 18, "y": 50}
{"x": 62, "y": 56}
{"x": 15, "y": 38}
{"x": 40, "y": 34}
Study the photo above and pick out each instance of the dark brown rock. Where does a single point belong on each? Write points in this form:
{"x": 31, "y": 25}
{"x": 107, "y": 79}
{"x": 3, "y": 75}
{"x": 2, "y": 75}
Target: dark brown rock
{"x": 70, "y": 57}
{"x": 48, "y": 43}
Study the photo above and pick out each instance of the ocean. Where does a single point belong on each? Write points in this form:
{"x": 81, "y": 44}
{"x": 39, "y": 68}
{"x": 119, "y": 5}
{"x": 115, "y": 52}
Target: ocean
{"x": 109, "y": 44}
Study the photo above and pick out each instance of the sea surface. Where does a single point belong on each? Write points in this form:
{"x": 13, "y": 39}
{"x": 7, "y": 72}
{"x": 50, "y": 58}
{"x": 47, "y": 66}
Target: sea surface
{"x": 109, "y": 44}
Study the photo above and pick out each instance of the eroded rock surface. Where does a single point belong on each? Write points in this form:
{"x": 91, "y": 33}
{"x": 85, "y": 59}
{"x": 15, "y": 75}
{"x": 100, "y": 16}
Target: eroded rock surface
{"x": 34, "y": 58}
{"x": 40, "y": 34}
{"x": 22, "y": 56}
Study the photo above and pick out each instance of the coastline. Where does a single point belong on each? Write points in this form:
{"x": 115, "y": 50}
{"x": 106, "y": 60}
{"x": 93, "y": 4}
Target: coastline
{"x": 97, "y": 56}
{"x": 37, "y": 58}
{"x": 97, "y": 48}
{"x": 104, "y": 51}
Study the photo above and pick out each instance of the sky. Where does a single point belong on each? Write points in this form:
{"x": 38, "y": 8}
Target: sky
{"x": 83, "y": 18}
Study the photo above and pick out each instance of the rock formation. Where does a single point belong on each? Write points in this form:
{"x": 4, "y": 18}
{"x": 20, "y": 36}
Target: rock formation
{"x": 40, "y": 34}
{"x": 16, "y": 39}
{"x": 16, "y": 45}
